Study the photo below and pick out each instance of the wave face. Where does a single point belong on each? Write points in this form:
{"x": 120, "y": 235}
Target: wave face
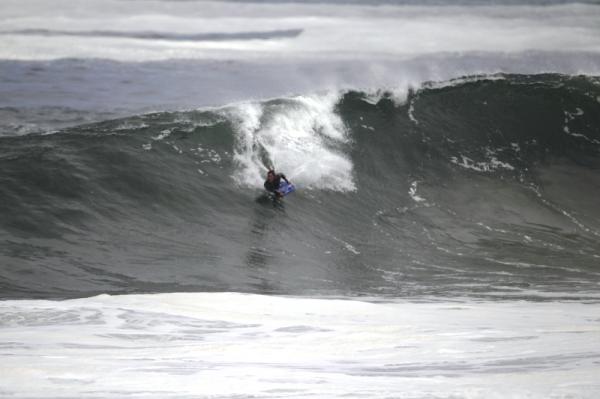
{"x": 478, "y": 187}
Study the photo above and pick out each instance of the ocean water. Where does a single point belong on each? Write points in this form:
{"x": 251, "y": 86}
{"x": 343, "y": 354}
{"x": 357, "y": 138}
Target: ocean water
{"x": 443, "y": 241}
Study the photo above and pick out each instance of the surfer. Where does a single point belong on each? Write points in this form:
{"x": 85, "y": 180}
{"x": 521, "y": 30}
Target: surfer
{"x": 273, "y": 181}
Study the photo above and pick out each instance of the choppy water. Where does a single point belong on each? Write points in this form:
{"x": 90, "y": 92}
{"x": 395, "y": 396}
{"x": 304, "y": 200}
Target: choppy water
{"x": 444, "y": 240}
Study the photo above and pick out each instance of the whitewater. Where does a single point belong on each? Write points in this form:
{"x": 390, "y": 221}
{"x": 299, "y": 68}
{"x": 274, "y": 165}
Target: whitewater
{"x": 443, "y": 241}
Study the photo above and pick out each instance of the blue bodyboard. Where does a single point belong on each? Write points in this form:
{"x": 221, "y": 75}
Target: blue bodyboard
{"x": 285, "y": 188}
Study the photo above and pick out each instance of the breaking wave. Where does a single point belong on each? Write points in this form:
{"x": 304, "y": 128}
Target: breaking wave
{"x": 482, "y": 186}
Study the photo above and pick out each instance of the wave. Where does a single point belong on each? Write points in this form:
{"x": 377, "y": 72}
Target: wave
{"x": 344, "y": 31}
{"x": 484, "y": 186}
{"x": 149, "y": 35}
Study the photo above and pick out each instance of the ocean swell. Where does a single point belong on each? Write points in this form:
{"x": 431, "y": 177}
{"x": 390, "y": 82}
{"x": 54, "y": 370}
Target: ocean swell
{"x": 485, "y": 186}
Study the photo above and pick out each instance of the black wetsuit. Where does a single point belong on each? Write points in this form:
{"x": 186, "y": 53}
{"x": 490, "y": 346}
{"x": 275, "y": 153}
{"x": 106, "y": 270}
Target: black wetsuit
{"x": 273, "y": 186}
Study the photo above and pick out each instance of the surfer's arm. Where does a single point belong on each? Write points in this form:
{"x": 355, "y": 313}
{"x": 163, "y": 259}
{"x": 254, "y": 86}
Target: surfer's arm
{"x": 284, "y": 178}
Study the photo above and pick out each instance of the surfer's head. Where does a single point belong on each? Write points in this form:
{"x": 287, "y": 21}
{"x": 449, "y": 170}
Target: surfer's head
{"x": 270, "y": 174}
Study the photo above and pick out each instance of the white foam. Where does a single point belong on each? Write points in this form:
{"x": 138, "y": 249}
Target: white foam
{"x": 207, "y": 155}
{"x": 229, "y": 345}
{"x": 569, "y": 116}
{"x": 162, "y": 135}
{"x": 349, "y": 247}
{"x": 412, "y": 191}
{"x": 301, "y": 137}
{"x": 397, "y": 91}
{"x": 246, "y": 119}
{"x": 491, "y": 165}
{"x": 562, "y": 211}
{"x": 411, "y": 110}
{"x": 131, "y": 126}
